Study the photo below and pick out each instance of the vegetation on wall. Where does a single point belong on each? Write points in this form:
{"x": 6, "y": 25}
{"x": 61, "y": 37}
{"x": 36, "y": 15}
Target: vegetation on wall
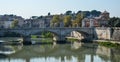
{"x": 72, "y": 39}
{"x": 109, "y": 44}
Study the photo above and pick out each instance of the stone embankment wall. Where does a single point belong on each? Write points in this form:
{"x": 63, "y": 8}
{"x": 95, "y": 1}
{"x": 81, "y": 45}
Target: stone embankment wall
{"x": 102, "y": 33}
{"x": 115, "y": 33}
{"x": 107, "y": 33}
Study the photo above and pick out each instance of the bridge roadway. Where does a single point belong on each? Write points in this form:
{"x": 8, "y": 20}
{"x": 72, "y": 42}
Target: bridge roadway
{"x": 60, "y": 33}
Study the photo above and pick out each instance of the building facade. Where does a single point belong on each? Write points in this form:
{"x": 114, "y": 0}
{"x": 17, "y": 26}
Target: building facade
{"x": 101, "y": 21}
{"x": 6, "y": 20}
{"x": 38, "y": 22}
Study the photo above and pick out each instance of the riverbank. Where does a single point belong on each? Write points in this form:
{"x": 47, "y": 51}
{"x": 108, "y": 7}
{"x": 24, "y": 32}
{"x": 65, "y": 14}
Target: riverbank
{"x": 108, "y": 43}
{"x": 95, "y": 41}
{"x": 72, "y": 39}
{"x": 41, "y": 40}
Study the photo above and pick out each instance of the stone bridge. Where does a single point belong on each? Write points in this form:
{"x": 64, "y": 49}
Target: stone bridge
{"x": 60, "y": 33}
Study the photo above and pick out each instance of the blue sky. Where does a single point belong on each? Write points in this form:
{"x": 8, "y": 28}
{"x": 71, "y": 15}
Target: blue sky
{"x": 28, "y": 8}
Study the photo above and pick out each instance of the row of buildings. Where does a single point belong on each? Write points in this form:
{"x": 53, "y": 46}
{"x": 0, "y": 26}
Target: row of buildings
{"x": 44, "y": 21}
{"x": 6, "y": 20}
{"x": 39, "y": 22}
{"x": 101, "y": 21}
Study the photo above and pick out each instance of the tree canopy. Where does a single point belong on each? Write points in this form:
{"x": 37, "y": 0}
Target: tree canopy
{"x": 67, "y": 21}
{"x": 14, "y": 24}
{"x": 68, "y": 12}
{"x": 114, "y": 22}
{"x": 55, "y": 22}
{"x": 78, "y": 21}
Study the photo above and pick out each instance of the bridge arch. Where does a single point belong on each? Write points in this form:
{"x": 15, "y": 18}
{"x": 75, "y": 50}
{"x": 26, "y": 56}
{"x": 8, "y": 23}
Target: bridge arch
{"x": 12, "y": 34}
{"x": 54, "y": 33}
{"x": 40, "y": 32}
{"x": 59, "y": 33}
{"x": 77, "y": 34}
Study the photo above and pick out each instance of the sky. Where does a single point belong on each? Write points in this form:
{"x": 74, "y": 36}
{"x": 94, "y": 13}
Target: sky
{"x": 28, "y": 8}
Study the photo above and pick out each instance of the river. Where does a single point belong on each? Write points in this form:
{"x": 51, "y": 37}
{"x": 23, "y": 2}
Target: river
{"x": 74, "y": 52}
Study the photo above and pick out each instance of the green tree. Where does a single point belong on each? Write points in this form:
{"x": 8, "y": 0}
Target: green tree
{"x": 34, "y": 17}
{"x": 117, "y": 24}
{"x": 74, "y": 23}
{"x": 14, "y": 24}
{"x": 49, "y": 14}
{"x": 95, "y": 13}
{"x": 47, "y": 34}
{"x": 68, "y": 12}
{"x": 56, "y": 21}
{"x": 67, "y": 21}
{"x": 114, "y": 21}
{"x": 79, "y": 12}
{"x": 78, "y": 21}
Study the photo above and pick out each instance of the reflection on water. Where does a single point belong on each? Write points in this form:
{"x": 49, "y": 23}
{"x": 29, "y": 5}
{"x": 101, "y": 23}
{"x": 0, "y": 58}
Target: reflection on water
{"x": 6, "y": 50}
{"x": 76, "y": 52}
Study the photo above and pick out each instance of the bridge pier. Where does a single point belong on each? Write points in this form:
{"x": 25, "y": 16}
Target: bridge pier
{"x": 27, "y": 40}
